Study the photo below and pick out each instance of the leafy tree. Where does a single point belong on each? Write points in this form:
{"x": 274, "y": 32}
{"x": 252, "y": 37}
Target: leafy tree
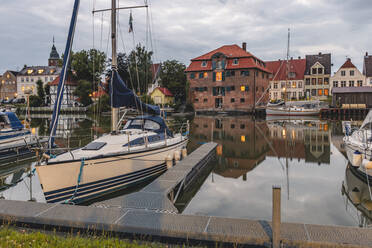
{"x": 83, "y": 91}
{"x": 82, "y": 64}
{"x": 173, "y": 77}
{"x": 35, "y": 101}
{"x": 40, "y": 91}
{"x": 135, "y": 69}
{"x": 47, "y": 92}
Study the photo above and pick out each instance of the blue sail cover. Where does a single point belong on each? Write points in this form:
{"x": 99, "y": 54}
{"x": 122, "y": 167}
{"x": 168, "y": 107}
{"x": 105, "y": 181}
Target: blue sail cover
{"x": 122, "y": 96}
{"x": 62, "y": 77}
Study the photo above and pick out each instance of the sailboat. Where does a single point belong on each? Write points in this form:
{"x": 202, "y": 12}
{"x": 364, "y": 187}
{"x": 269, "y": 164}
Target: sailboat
{"x": 118, "y": 160}
{"x": 283, "y": 108}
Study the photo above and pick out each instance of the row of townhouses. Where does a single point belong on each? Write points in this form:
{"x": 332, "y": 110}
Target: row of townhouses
{"x": 311, "y": 78}
{"x": 16, "y": 84}
{"x": 230, "y": 78}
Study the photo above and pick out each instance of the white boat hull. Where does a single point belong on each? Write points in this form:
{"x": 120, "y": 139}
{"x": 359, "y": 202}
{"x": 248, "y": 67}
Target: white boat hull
{"x": 290, "y": 112}
{"x": 101, "y": 176}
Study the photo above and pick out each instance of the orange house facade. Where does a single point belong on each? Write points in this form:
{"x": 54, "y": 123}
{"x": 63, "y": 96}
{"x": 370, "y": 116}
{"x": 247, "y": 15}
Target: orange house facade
{"x": 228, "y": 79}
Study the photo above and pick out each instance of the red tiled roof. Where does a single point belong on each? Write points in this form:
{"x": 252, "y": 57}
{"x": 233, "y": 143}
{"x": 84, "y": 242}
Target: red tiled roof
{"x": 68, "y": 81}
{"x": 279, "y": 69}
{"x": 246, "y": 59}
{"x": 348, "y": 64}
{"x": 231, "y": 51}
{"x": 165, "y": 91}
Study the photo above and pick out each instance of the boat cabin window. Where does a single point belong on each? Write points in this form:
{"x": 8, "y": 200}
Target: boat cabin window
{"x": 94, "y": 146}
{"x": 151, "y": 125}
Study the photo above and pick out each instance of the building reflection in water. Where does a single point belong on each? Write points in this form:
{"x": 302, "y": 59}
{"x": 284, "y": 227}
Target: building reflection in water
{"x": 246, "y": 142}
{"x": 243, "y": 144}
{"x": 357, "y": 192}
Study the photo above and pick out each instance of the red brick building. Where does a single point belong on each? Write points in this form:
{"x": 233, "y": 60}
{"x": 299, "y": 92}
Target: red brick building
{"x": 227, "y": 79}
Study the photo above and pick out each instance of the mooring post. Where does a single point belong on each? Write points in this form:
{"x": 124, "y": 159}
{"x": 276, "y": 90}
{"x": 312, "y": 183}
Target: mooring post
{"x": 276, "y": 217}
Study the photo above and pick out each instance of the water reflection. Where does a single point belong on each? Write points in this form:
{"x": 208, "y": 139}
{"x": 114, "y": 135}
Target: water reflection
{"x": 305, "y": 157}
{"x": 296, "y": 154}
{"x": 358, "y": 196}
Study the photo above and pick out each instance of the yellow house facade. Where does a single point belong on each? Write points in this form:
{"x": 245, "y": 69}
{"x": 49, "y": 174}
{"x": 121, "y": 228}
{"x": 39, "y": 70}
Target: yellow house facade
{"x": 162, "y": 96}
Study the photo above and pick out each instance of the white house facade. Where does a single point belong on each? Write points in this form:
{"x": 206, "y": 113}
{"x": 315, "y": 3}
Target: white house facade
{"x": 347, "y": 76}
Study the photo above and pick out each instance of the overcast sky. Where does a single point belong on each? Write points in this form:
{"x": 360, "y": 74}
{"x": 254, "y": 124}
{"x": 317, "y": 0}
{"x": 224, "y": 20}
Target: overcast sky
{"x": 184, "y": 29}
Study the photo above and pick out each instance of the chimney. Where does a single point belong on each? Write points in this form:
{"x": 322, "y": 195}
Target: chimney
{"x": 299, "y": 57}
{"x": 366, "y": 54}
{"x": 244, "y": 46}
{"x": 348, "y": 59}
{"x": 291, "y": 58}
{"x": 320, "y": 54}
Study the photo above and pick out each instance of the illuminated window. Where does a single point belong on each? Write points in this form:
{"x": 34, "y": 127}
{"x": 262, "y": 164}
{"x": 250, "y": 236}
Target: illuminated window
{"x": 29, "y": 71}
{"x": 23, "y": 88}
{"x": 219, "y": 76}
{"x": 205, "y": 74}
{"x": 51, "y": 71}
{"x": 293, "y": 84}
{"x": 242, "y": 138}
{"x": 320, "y": 92}
{"x": 3, "y": 81}
{"x": 7, "y": 76}
{"x": 326, "y": 92}
{"x": 40, "y": 71}
{"x": 242, "y": 88}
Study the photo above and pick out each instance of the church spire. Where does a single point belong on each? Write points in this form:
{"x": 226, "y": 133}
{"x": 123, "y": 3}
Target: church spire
{"x": 54, "y": 56}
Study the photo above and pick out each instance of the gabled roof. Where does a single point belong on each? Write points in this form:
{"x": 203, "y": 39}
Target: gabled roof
{"x": 348, "y": 64}
{"x": 367, "y": 66}
{"x": 323, "y": 59}
{"x": 46, "y": 70}
{"x": 68, "y": 81}
{"x": 279, "y": 69}
{"x": 165, "y": 91}
{"x": 230, "y": 51}
{"x": 246, "y": 59}
{"x": 15, "y": 73}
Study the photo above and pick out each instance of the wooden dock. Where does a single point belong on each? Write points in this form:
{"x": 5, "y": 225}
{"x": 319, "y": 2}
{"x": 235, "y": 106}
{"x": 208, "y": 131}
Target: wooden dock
{"x": 161, "y": 194}
{"x": 344, "y": 113}
{"x": 150, "y": 215}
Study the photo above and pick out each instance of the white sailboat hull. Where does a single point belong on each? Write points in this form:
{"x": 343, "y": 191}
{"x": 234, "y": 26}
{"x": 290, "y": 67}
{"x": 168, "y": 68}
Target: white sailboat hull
{"x": 292, "y": 112}
{"x": 101, "y": 176}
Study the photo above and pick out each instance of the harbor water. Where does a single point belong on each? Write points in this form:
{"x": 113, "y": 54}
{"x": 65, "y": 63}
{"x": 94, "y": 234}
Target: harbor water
{"x": 305, "y": 157}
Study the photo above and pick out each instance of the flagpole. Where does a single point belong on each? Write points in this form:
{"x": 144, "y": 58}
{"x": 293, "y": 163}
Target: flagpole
{"x": 114, "y": 111}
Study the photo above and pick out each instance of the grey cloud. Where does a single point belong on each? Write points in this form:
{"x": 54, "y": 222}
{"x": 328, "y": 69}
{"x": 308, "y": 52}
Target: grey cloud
{"x": 186, "y": 29}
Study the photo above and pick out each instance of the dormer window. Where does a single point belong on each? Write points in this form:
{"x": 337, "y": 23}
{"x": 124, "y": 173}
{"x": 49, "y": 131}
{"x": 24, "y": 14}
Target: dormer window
{"x": 40, "y": 71}
{"x": 320, "y": 70}
{"x": 292, "y": 75}
{"x": 313, "y": 71}
{"x": 235, "y": 61}
{"x": 204, "y": 63}
{"x": 29, "y": 71}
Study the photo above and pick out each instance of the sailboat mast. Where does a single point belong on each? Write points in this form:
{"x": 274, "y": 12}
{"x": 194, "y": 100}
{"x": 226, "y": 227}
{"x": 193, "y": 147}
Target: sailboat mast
{"x": 114, "y": 65}
{"x": 287, "y": 68}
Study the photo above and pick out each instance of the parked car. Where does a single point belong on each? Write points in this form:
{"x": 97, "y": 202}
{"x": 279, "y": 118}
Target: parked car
{"x": 19, "y": 100}
{"x": 7, "y": 101}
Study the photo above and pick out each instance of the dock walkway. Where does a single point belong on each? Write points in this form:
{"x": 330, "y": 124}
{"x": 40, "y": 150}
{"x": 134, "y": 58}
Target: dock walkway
{"x": 159, "y": 194}
{"x": 150, "y": 215}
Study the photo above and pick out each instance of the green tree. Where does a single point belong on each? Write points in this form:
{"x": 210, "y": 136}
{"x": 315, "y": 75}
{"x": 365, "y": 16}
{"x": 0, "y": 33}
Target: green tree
{"x": 88, "y": 64}
{"x": 47, "y": 92}
{"x": 172, "y": 75}
{"x": 135, "y": 69}
{"x": 83, "y": 91}
{"x": 35, "y": 101}
{"x": 40, "y": 91}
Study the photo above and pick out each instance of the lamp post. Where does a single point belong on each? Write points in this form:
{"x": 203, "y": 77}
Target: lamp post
{"x": 28, "y": 92}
